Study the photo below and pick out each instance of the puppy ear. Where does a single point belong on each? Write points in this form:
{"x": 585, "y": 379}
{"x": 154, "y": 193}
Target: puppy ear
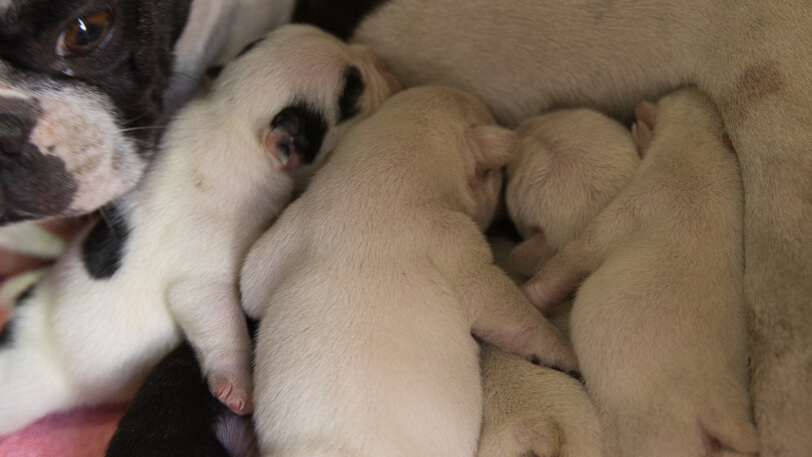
{"x": 281, "y": 145}
{"x": 643, "y": 129}
{"x": 494, "y": 145}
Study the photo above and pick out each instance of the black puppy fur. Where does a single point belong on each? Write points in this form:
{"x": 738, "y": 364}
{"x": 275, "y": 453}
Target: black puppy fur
{"x": 174, "y": 414}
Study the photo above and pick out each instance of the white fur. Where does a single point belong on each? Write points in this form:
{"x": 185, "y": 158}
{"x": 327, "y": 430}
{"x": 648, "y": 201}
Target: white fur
{"x": 752, "y": 57}
{"x": 658, "y": 323}
{"x": 370, "y": 284}
{"x": 568, "y": 166}
{"x": 213, "y": 189}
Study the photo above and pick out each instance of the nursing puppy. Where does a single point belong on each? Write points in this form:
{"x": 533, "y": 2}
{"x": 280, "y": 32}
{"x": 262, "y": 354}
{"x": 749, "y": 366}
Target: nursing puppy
{"x": 658, "y": 323}
{"x": 166, "y": 257}
{"x": 568, "y": 165}
{"x": 370, "y": 284}
{"x": 752, "y": 57}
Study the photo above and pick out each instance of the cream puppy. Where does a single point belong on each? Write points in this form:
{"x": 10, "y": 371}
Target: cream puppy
{"x": 568, "y": 165}
{"x": 534, "y": 410}
{"x": 370, "y": 285}
{"x": 658, "y": 324}
{"x": 164, "y": 263}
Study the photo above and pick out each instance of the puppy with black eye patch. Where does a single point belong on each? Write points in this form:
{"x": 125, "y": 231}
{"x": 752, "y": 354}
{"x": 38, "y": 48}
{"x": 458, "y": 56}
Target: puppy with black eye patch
{"x": 165, "y": 261}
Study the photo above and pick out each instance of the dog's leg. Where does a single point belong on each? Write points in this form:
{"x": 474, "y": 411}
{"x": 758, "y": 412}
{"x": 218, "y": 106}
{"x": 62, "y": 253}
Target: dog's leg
{"x": 210, "y": 315}
{"x": 503, "y": 316}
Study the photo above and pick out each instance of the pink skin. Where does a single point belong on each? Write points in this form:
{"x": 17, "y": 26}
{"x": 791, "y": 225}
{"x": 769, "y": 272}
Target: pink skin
{"x": 276, "y": 137}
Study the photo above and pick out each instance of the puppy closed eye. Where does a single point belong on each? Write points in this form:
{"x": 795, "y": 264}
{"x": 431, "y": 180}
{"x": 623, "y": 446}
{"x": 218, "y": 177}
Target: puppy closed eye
{"x": 85, "y": 34}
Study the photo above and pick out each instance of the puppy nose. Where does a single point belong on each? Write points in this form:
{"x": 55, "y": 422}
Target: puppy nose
{"x": 17, "y": 119}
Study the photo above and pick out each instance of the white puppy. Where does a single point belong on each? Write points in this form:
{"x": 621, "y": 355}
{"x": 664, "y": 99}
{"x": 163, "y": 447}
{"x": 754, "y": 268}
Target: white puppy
{"x": 168, "y": 255}
{"x": 752, "y": 57}
{"x": 658, "y": 324}
{"x": 370, "y": 285}
{"x": 568, "y": 166}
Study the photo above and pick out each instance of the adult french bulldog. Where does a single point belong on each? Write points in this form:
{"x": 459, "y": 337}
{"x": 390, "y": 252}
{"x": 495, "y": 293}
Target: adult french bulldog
{"x": 658, "y": 323}
{"x": 753, "y": 59}
{"x": 166, "y": 256}
{"x": 370, "y": 284}
{"x": 568, "y": 166}
{"x": 83, "y": 87}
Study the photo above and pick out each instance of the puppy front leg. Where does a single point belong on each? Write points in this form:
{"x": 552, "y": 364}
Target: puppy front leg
{"x": 210, "y": 315}
{"x": 529, "y": 256}
{"x": 503, "y": 316}
{"x": 563, "y": 274}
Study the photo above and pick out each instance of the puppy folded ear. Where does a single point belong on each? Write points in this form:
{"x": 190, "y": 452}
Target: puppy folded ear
{"x": 643, "y": 129}
{"x": 491, "y": 147}
{"x": 494, "y": 145}
{"x": 282, "y": 146}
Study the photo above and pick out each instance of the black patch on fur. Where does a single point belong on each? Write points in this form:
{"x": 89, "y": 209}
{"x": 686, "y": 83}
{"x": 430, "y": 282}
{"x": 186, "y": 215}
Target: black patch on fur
{"x": 104, "y": 246}
{"x": 350, "y": 94}
{"x": 174, "y": 413}
{"x": 339, "y": 17}
{"x": 7, "y": 333}
{"x": 306, "y": 125}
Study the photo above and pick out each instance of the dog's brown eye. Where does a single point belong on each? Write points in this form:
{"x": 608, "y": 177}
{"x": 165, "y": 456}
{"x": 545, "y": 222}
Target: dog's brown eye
{"x": 84, "y": 34}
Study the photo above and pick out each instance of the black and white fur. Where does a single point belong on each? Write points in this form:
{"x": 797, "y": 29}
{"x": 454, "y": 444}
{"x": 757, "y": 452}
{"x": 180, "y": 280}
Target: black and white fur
{"x": 84, "y": 85}
{"x": 165, "y": 259}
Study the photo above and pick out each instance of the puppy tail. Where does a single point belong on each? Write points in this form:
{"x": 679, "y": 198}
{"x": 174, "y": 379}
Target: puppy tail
{"x": 729, "y": 434}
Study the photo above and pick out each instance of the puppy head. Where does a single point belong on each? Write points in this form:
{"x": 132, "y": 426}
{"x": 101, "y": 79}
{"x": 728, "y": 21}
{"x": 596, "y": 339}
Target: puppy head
{"x": 80, "y": 94}
{"x": 453, "y": 140}
{"x": 300, "y": 90}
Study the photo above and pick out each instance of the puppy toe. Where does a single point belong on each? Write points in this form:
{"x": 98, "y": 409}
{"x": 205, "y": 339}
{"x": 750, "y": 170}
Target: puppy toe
{"x": 234, "y": 398}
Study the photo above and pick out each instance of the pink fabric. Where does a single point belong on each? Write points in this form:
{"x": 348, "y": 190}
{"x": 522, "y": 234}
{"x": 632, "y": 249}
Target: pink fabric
{"x": 78, "y": 433}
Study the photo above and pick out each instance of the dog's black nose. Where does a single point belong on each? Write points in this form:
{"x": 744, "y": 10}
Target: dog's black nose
{"x": 17, "y": 118}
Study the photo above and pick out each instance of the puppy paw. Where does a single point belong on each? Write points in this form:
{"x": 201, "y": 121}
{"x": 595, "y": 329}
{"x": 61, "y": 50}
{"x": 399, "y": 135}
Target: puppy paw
{"x": 235, "y": 396}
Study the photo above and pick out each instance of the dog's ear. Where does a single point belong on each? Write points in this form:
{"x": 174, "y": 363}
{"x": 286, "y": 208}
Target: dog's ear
{"x": 491, "y": 146}
{"x": 643, "y": 129}
{"x": 281, "y": 144}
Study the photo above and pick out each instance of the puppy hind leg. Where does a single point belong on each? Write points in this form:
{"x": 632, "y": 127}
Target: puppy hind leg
{"x": 503, "y": 316}
{"x": 211, "y": 317}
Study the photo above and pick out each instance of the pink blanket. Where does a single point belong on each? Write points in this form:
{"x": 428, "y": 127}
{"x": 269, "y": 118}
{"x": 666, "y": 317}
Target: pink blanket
{"x": 78, "y": 433}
